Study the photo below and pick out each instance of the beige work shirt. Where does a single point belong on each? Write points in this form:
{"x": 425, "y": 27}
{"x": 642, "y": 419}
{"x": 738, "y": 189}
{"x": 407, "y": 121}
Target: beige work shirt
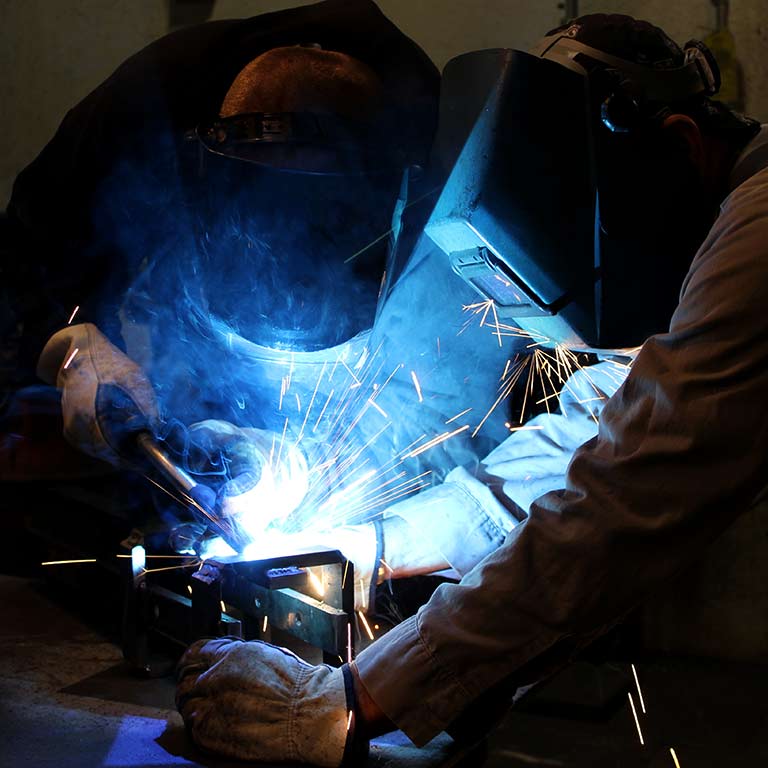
{"x": 682, "y": 450}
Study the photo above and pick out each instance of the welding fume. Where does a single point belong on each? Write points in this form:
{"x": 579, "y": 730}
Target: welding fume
{"x": 282, "y": 385}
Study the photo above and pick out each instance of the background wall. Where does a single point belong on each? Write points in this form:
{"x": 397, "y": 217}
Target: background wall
{"x": 53, "y": 53}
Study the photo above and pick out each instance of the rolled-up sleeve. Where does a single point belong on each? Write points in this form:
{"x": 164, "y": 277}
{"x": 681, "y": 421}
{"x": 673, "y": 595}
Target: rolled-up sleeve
{"x": 682, "y": 449}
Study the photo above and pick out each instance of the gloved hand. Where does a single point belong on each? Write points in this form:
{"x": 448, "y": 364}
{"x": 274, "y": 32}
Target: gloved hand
{"x": 263, "y": 482}
{"x": 105, "y": 397}
{"x": 254, "y": 701}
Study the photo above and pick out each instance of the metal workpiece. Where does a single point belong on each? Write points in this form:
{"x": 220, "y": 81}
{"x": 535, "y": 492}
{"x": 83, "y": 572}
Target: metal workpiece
{"x": 154, "y": 617}
{"x": 309, "y": 596}
{"x": 136, "y": 618}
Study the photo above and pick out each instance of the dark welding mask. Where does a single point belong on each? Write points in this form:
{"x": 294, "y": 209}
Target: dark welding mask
{"x": 555, "y": 210}
{"x": 296, "y": 214}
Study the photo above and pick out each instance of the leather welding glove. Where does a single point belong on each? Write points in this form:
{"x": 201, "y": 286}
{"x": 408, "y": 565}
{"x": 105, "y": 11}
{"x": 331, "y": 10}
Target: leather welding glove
{"x": 105, "y": 397}
{"x": 266, "y": 474}
{"x": 254, "y": 701}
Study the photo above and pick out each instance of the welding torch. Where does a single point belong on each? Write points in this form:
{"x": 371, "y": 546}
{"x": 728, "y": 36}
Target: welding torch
{"x": 197, "y": 496}
{"x": 107, "y": 403}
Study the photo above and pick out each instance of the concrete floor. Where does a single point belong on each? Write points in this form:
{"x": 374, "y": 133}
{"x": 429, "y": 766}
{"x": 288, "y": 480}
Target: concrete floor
{"x": 66, "y": 700}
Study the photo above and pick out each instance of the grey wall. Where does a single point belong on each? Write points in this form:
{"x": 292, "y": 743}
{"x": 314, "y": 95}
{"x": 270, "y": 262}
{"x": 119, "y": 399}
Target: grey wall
{"x": 52, "y": 53}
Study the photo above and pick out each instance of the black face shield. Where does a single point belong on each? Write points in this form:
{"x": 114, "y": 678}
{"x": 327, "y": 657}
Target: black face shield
{"x": 296, "y": 211}
{"x": 578, "y": 230}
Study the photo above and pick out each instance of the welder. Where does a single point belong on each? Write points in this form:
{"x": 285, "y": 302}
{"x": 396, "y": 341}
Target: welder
{"x": 682, "y": 445}
{"x": 234, "y": 208}
{"x": 136, "y": 198}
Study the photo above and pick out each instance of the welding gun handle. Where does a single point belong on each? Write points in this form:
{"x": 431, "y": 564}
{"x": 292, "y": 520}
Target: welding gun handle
{"x": 202, "y": 497}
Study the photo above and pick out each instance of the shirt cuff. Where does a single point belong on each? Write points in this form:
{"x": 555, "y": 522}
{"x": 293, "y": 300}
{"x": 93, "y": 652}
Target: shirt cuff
{"x": 426, "y": 698}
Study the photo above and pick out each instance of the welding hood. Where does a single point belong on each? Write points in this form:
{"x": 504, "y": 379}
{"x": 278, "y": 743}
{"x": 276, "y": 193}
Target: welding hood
{"x": 295, "y": 211}
{"x": 534, "y": 213}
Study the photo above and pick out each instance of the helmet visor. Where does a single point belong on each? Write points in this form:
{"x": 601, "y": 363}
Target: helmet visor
{"x": 287, "y": 258}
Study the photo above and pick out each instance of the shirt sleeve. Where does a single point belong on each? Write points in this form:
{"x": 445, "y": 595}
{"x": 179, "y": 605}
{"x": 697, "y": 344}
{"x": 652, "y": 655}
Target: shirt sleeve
{"x": 682, "y": 449}
{"x": 469, "y": 515}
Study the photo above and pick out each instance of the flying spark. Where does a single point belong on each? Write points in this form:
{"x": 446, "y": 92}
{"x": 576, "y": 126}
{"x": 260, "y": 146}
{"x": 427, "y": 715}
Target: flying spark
{"x": 417, "y": 386}
{"x": 311, "y": 403}
{"x": 372, "y": 402}
{"x": 322, "y": 413}
{"x": 458, "y": 416}
{"x": 436, "y": 441}
{"x": 391, "y": 229}
{"x": 72, "y": 316}
{"x": 173, "y": 567}
{"x": 674, "y": 757}
{"x": 71, "y": 358}
{"x": 69, "y": 562}
{"x": 367, "y": 626}
{"x": 639, "y": 692}
{"x": 160, "y": 557}
{"x": 637, "y": 722}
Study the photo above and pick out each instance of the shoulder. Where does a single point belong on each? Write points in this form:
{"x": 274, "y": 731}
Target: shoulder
{"x": 732, "y": 262}
{"x": 747, "y": 203}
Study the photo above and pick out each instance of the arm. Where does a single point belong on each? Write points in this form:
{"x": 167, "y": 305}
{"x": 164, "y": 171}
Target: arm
{"x": 682, "y": 449}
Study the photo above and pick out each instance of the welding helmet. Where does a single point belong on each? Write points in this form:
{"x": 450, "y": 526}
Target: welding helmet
{"x": 296, "y": 217}
{"x": 564, "y": 207}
